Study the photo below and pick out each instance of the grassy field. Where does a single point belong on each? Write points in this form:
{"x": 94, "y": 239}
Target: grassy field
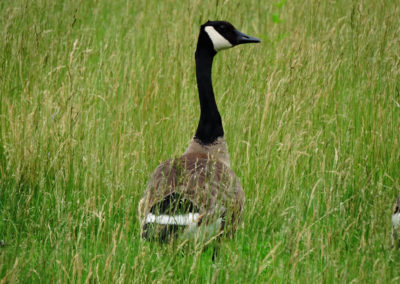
{"x": 95, "y": 94}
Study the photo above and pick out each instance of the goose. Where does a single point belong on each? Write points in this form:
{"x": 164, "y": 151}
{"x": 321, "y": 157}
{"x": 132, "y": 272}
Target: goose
{"x": 198, "y": 192}
{"x": 396, "y": 224}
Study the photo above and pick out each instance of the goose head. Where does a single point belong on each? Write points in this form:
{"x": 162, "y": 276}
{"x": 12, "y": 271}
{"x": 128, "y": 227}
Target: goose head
{"x": 220, "y": 35}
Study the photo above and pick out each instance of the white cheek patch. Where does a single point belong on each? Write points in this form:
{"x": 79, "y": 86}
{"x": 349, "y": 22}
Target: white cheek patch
{"x": 217, "y": 39}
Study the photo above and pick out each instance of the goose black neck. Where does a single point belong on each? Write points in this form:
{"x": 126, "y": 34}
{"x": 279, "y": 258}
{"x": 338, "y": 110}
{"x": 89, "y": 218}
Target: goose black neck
{"x": 210, "y": 124}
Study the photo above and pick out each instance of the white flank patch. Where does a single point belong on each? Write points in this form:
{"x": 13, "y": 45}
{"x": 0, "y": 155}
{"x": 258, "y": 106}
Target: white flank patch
{"x": 183, "y": 220}
{"x": 217, "y": 39}
{"x": 396, "y": 220}
{"x": 204, "y": 232}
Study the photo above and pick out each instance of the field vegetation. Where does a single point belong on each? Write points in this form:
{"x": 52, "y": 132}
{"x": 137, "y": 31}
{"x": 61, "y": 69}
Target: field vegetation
{"x": 95, "y": 94}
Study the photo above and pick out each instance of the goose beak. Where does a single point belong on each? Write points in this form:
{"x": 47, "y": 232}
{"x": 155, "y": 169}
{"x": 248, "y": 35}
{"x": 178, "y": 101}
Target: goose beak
{"x": 243, "y": 38}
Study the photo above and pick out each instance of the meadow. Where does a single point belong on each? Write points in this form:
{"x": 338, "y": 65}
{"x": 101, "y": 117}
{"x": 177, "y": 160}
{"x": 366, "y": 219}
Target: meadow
{"x": 95, "y": 94}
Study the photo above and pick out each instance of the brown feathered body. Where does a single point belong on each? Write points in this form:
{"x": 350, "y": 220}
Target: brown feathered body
{"x": 203, "y": 176}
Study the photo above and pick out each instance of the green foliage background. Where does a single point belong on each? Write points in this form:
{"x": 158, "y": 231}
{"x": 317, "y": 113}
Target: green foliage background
{"x": 95, "y": 94}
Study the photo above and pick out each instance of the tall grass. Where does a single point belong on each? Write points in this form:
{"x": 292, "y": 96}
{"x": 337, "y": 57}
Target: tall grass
{"x": 95, "y": 94}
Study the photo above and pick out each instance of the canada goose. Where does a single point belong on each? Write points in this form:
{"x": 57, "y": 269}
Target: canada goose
{"x": 198, "y": 189}
{"x": 396, "y": 224}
